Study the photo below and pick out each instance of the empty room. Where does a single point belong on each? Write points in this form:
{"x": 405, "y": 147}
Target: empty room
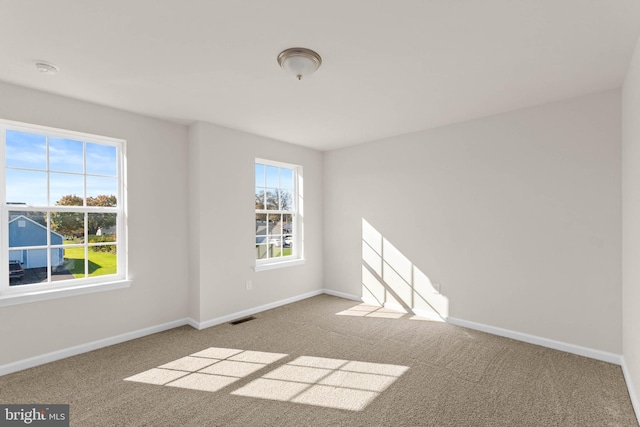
{"x": 407, "y": 213}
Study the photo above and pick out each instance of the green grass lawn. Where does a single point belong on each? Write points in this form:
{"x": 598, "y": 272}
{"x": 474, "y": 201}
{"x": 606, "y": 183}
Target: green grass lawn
{"x": 100, "y": 263}
{"x": 275, "y": 251}
{"x": 285, "y": 251}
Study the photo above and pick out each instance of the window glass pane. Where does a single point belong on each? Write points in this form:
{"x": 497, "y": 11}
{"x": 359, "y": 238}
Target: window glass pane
{"x": 286, "y": 200}
{"x": 287, "y": 245}
{"x": 19, "y": 271}
{"x": 286, "y": 179}
{"x": 101, "y": 159}
{"x": 260, "y": 175}
{"x": 29, "y": 229}
{"x": 64, "y": 184}
{"x": 72, "y": 267}
{"x": 276, "y": 247}
{"x": 17, "y": 275}
{"x": 275, "y": 241}
{"x": 66, "y": 155}
{"x": 70, "y": 200}
{"x": 261, "y": 251}
{"x": 103, "y": 260}
{"x": 273, "y": 177}
{"x": 101, "y": 191}
{"x": 275, "y": 224}
{"x": 38, "y": 217}
{"x": 272, "y": 199}
{"x": 260, "y": 198}
{"x": 60, "y": 266}
{"x": 26, "y": 150}
{"x": 261, "y": 225}
{"x": 26, "y": 187}
{"x": 27, "y": 267}
{"x": 101, "y": 227}
{"x": 287, "y": 224}
{"x": 68, "y": 224}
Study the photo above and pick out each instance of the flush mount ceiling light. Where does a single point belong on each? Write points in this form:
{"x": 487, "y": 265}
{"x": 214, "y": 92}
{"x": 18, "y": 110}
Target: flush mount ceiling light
{"x": 46, "y": 68}
{"x": 299, "y": 61}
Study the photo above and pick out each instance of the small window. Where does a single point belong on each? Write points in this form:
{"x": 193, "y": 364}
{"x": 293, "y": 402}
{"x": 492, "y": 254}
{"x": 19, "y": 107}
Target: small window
{"x": 277, "y": 212}
{"x": 63, "y": 217}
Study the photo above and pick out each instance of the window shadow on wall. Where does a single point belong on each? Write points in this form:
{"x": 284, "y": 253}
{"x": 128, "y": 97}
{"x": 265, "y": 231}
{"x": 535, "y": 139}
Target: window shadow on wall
{"x": 391, "y": 280}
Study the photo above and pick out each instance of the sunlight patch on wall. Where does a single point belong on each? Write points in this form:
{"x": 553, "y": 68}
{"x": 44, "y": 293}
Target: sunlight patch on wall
{"x": 391, "y": 280}
{"x": 317, "y": 381}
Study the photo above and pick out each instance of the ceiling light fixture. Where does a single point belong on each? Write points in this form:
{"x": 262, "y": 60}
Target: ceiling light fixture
{"x": 46, "y": 68}
{"x": 299, "y": 61}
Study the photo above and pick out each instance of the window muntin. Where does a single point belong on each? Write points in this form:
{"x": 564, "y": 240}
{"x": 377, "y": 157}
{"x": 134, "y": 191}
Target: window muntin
{"x": 277, "y": 212}
{"x": 62, "y": 209}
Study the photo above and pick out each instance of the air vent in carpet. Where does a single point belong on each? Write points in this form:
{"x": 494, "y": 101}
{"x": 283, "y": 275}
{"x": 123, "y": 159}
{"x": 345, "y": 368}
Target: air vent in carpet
{"x": 244, "y": 319}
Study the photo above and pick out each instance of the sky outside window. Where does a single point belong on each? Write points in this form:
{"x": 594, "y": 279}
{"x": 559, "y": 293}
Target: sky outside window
{"x": 26, "y": 173}
{"x": 25, "y": 150}
{"x": 101, "y": 159}
{"x": 66, "y": 155}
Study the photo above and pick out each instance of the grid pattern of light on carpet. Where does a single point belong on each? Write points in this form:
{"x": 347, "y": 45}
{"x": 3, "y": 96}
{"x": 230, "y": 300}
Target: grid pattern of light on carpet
{"x": 332, "y": 383}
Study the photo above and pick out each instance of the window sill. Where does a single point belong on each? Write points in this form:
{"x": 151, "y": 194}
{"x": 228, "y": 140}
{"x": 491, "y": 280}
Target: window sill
{"x": 278, "y": 264}
{"x": 47, "y": 294}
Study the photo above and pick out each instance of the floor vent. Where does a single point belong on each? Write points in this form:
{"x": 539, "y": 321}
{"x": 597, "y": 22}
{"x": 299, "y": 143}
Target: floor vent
{"x": 244, "y": 319}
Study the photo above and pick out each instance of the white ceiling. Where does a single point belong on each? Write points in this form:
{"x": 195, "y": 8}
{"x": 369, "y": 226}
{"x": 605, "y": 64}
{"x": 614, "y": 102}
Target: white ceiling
{"x": 389, "y": 67}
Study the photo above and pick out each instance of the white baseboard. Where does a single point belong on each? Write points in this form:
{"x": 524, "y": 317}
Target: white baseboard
{"x": 193, "y": 323}
{"x": 342, "y": 295}
{"x": 83, "y": 348}
{"x": 544, "y": 342}
{"x": 94, "y": 345}
{"x": 631, "y": 389}
{"x": 254, "y": 310}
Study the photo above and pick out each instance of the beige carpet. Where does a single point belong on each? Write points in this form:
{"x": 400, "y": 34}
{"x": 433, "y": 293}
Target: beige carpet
{"x": 327, "y": 361}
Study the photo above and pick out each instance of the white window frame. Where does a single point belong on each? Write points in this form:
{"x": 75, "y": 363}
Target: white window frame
{"x": 11, "y": 295}
{"x": 297, "y": 255}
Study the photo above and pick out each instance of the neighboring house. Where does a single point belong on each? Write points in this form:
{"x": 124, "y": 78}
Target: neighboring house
{"x": 106, "y": 231}
{"x": 26, "y": 232}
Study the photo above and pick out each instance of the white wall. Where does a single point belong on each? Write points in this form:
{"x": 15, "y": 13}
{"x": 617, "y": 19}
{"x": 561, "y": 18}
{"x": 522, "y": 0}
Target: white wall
{"x": 222, "y": 222}
{"x": 631, "y": 223}
{"x": 516, "y": 216}
{"x": 157, "y": 190}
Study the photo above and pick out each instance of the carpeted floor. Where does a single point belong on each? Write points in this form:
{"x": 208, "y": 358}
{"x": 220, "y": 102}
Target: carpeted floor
{"x": 327, "y": 361}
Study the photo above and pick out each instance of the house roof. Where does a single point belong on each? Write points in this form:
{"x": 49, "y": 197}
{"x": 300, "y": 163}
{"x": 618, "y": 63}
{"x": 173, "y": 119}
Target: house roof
{"x": 389, "y": 67}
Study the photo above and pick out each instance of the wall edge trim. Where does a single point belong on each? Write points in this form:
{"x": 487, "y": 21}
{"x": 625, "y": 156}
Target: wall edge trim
{"x": 42, "y": 359}
{"x": 591, "y": 353}
{"x": 632, "y": 391}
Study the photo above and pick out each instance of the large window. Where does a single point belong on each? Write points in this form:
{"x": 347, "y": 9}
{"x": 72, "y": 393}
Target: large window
{"x": 62, "y": 210}
{"x": 278, "y": 220}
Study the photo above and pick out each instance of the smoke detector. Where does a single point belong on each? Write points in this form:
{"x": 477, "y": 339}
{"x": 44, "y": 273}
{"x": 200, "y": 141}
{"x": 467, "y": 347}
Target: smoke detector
{"x": 46, "y": 68}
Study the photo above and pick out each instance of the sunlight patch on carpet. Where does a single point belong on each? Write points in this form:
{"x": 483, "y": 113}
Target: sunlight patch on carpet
{"x": 209, "y": 370}
{"x": 369, "y": 310}
{"x": 318, "y": 381}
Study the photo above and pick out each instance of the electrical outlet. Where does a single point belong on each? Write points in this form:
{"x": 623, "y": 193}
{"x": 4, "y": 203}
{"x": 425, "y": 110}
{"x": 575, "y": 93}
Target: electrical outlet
{"x": 249, "y": 285}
